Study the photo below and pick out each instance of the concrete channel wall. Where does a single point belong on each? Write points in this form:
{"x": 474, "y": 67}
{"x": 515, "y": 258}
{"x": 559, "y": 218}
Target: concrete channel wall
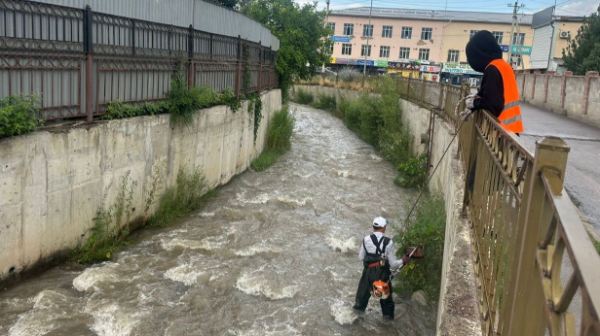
{"x": 53, "y": 182}
{"x": 458, "y": 309}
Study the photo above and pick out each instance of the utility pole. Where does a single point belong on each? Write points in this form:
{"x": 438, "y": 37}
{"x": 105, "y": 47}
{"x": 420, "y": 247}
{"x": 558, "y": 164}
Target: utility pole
{"x": 367, "y": 51}
{"x": 515, "y": 7}
{"x": 326, "y": 23}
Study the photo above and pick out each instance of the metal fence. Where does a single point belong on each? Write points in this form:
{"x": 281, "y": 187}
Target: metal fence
{"x": 78, "y": 60}
{"x": 537, "y": 269}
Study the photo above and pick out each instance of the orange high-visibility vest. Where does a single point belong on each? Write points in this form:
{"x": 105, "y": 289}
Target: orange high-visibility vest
{"x": 510, "y": 118}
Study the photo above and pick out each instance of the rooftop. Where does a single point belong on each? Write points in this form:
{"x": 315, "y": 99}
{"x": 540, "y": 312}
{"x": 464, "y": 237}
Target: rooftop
{"x": 438, "y": 15}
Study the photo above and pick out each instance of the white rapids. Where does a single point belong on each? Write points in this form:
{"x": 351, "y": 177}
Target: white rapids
{"x": 275, "y": 253}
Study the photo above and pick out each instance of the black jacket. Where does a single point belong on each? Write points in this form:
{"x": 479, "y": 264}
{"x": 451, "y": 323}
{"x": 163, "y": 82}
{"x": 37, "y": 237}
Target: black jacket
{"x": 481, "y": 50}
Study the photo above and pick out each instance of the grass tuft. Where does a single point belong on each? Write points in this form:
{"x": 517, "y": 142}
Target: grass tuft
{"x": 426, "y": 228}
{"x": 278, "y": 140}
{"x": 304, "y": 97}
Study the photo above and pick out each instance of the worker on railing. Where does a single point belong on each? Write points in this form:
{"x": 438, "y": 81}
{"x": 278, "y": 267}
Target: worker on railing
{"x": 498, "y": 93}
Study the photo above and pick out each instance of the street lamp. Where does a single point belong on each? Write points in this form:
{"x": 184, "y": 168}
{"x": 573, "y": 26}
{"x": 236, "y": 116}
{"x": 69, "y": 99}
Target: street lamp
{"x": 367, "y": 51}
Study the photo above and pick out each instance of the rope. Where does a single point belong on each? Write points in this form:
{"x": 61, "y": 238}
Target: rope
{"x": 464, "y": 116}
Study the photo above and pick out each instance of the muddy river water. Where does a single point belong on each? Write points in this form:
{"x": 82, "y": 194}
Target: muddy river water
{"x": 276, "y": 253}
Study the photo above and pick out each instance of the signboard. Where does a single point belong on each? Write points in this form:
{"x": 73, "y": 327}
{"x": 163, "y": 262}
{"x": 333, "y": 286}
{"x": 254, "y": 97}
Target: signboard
{"x": 459, "y": 69}
{"x": 430, "y": 68}
{"x": 542, "y": 18}
{"x": 344, "y": 61}
{"x": 525, "y": 50}
{"x": 404, "y": 72}
{"x": 362, "y": 62}
{"x": 344, "y": 39}
{"x": 431, "y": 77}
{"x": 381, "y": 64}
{"x": 403, "y": 65}
{"x": 348, "y": 61}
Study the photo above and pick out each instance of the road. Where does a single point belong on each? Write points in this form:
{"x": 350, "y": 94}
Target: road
{"x": 583, "y": 175}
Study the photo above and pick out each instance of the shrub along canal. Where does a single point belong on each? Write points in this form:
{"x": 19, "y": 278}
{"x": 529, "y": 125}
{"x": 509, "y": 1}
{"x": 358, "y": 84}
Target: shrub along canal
{"x": 275, "y": 253}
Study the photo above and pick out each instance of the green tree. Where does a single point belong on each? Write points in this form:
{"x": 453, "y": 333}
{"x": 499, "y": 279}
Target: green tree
{"x": 583, "y": 54}
{"x": 302, "y": 33}
{"x": 225, "y": 3}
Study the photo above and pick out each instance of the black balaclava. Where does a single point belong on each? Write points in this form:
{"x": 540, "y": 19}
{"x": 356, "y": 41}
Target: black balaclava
{"x": 482, "y": 49}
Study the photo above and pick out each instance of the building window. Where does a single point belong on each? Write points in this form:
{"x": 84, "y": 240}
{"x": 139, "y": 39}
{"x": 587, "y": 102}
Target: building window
{"x": 332, "y": 27}
{"x": 498, "y": 36}
{"x": 348, "y": 29}
{"x": 516, "y": 59}
{"x": 384, "y": 52}
{"x": 453, "y": 56}
{"x": 426, "y": 34}
{"x": 519, "y": 38}
{"x": 365, "y": 50}
{"x": 473, "y": 32}
{"x": 424, "y": 54}
{"x": 406, "y": 33}
{"x": 346, "y": 49}
{"x": 387, "y": 31}
{"x": 368, "y": 30}
{"x": 404, "y": 53}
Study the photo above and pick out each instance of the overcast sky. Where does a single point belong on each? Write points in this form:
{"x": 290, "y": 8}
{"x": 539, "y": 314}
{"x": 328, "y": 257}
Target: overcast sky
{"x": 565, "y": 7}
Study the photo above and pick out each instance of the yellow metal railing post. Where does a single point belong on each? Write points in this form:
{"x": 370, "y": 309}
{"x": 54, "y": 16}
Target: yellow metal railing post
{"x": 527, "y": 313}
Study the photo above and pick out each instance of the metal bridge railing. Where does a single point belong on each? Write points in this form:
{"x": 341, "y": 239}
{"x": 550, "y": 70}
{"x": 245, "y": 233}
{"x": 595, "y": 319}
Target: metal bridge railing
{"x": 537, "y": 269}
{"x": 523, "y": 222}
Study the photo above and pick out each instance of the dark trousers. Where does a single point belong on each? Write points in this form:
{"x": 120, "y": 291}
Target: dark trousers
{"x": 365, "y": 285}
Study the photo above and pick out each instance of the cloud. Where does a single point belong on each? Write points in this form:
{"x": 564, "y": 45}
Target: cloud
{"x": 354, "y": 5}
{"x": 583, "y": 7}
{"x": 322, "y": 4}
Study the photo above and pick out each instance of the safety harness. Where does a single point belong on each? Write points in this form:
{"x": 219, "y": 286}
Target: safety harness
{"x": 378, "y": 258}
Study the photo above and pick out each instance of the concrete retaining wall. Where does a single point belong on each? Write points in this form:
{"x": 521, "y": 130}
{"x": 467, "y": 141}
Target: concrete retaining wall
{"x": 458, "y": 309}
{"x": 53, "y": 182}
{"x": 580, "y": 98}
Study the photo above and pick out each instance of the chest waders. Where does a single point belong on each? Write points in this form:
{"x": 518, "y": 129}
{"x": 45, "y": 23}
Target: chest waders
{"x": 376, "y": 271}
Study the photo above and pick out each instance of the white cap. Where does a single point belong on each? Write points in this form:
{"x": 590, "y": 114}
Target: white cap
{"x": 380, "y": 222}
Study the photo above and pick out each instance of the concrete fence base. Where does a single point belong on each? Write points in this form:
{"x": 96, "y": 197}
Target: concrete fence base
{"x": 577, "y": 97}
{"x": 53, "y": 182}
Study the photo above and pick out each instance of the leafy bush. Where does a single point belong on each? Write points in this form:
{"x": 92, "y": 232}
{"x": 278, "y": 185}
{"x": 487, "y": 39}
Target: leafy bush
{"x": 396, "y": 145}
{"x": 304, "y": 97}
{"x": 19, "y": 115}
{"x": 426, "y": 228}
{"x": 118, "y": 110}
{"x": 278, "y": 140}
{"x": 229, "y": 99}
{"x": 325, "y": 102}
{"x": 184, "y": 102}
{"x": 189, "y": 194}
{"x": 412, "y": 172}
{"x": 181, "y": 103}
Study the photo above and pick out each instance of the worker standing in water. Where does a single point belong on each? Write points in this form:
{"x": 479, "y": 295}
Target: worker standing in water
{"x": 378, "y": 255}
{"x": 499, "y": 93}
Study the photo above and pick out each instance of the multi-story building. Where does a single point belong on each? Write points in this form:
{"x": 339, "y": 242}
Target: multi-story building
{"x": 411, "y": 41}
{"x": 552, "y": 35}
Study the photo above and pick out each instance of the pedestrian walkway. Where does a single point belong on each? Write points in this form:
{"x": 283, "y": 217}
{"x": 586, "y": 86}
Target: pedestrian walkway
{"x": 583, "y": 174}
